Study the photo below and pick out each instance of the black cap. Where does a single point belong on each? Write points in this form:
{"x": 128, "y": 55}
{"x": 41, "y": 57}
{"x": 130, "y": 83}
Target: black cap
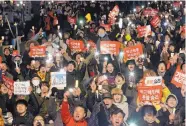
{"x": 72, "y": 62}
{"x": 23, "y": 102}
{"x": 107, "y": 95}
{"x": 130, "y": 62}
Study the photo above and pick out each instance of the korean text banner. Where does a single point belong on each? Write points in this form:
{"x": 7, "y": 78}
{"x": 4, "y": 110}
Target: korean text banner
{"x": 132, "y": 52}
{"x": 144, "y": 31}
{"x": 155, "y": 21}
{"x": 150, "y": 12}
{"x": 110, "y": 47}
{"x": 76, "y": 45}
{"x": 150, "y": 93}
{"x": 38, "y": 51}
{"x": 9, "y": 83}
{"x": 179, "y": 78}
{"x": 21, "y": 88}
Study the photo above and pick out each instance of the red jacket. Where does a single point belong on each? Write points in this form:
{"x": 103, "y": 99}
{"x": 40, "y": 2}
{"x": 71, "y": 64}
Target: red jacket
{"x": 67, "y": 119}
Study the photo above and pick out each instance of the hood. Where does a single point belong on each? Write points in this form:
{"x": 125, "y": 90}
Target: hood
{"x": 172, "y": 95}
{"x": 27, "y": 45}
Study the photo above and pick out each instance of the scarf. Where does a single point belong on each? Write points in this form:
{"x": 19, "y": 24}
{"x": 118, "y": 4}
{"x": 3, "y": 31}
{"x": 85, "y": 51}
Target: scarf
{"x": 41, "y": 75}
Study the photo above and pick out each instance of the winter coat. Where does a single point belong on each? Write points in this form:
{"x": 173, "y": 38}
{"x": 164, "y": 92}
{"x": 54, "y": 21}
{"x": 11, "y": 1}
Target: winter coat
{"x": 67, "y": 119}
{"x": 100, "y": 115}
{"x": 3, "y": 102}
{"x": 58, "y": 121}
{"x": 123, "y": 105}
{"x": 27, "y": 119}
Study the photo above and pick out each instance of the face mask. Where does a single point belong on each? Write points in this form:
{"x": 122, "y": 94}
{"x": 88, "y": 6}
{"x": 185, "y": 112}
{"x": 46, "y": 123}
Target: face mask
{"x": 101, "y": 35}
{"x": 35, "y": 82}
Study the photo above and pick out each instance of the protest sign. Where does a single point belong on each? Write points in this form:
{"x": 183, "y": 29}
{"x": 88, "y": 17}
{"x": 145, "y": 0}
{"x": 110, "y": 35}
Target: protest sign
{"x": 179, "y": 78}
{"x": 110, "y": 47}
{"x": 152, "y": 81}
{"x": 150, "y": 93}
{"x": 9, "y": 83}
{"x": 144, "y": 31}
{"x": 150, "y": 12}
{"x": 21, "y": 88}
{"x": 106, "y": 26}
{"x": 71, "y": 20}
{"x": 133, "y": 51}
{"x": 155, "y": 21}
{"x": 92, "y": 44}
{"x": 76, "y": 45}
{"x": 58, "y": 79}
{"x": 114, "y": 12}
{"x": 38, "y": 51}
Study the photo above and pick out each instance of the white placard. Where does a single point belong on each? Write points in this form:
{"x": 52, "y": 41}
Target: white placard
{"x": 21, "y": 88}
{"x": 153, "y": 81}
{"x": 58, "y": 79}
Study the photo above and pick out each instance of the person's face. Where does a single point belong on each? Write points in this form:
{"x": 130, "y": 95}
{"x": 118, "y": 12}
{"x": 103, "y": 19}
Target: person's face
{"x": 70, "y": 68}
{"x": 117, "y": 119}
{"x": 7, "y": 52}
{"x": 4, "y": 89}
{"x": 131, "y": 67}
{"x": 3, "y": 67}
{"x": 110, "y": 68}
{"x": 171, "y": 48}
{"x": 172, "y": 102}
{"x": 78, "y": 58}
{"x": 43, "y": 70}
{"x": 38, "y": 119}
{"x": 44, "y": 41}
{"x": 79, "y": 114}
{"x": 101, "y": 32}
{"x": 161, "y": 67}
{"x": 130, "y": 43}
{"x": 149, "y": 118}
{"x": 44, "y": 88}
{"x": 21, "y": 108}
{"x": 117, "y": 98}
{"x": 31, "y": 45}
{"x": 119, "y": 80}
{"x": 108, "y": 102}
{"x": 66, "y": 36}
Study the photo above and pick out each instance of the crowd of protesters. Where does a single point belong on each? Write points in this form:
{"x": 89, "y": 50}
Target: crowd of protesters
{"x": 101, "y": 89}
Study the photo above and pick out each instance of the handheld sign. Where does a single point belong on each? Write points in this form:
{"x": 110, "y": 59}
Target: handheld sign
{"x": 38, "y": 51}
{"x": 132, "y": 52}
{"x": 58, "y": 79}
{"x": 179, "y": 78}
{"x": 150, "y": 93}
{"x": 76, "y": 45}
{"x": 21, "y": 88}
{"x": 144, "y": 31}
{"x": 153, "y": 81}
{"x": 110, "y": 47}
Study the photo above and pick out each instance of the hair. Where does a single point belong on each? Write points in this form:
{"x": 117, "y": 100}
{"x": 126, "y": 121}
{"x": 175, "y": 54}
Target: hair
{"x": 148, "y": 109}
{"x": 82, "y": 106}
{"x": 117, "y": 111}
{"x": 149, "y": 72}
{"x": 182, "y": 65}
